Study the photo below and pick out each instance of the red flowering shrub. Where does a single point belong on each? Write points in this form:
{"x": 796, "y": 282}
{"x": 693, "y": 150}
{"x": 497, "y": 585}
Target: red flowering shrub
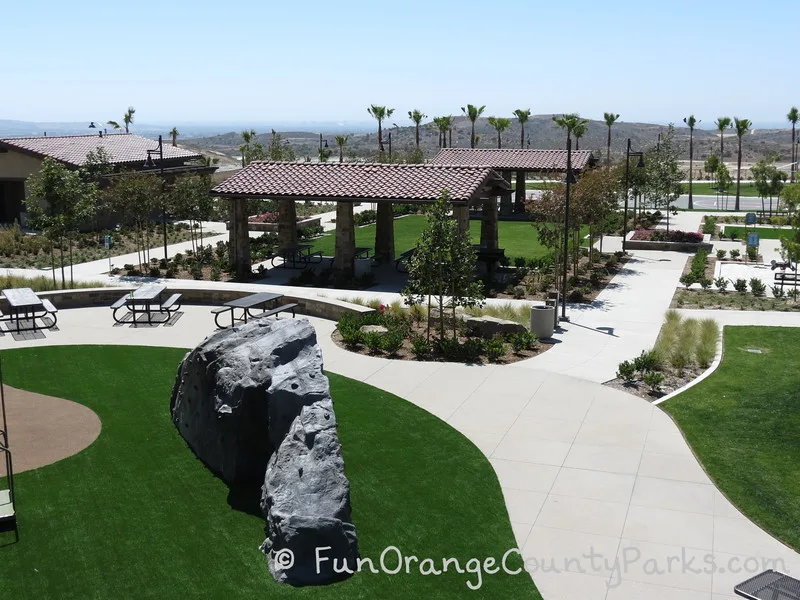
{"x": 662, "y": 235}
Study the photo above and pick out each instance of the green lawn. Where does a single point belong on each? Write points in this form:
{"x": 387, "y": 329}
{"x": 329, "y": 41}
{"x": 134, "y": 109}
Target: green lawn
{"x": 136, "y": 515}
{"x": 765, "y": 233}
{"x": 743, "y": 422}
{"x": 708, "y": 189}
{"x": 517, "y": 237}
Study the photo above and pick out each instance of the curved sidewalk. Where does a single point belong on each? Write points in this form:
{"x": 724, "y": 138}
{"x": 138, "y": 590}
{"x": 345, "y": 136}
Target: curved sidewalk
{"x": 590, "y": 474}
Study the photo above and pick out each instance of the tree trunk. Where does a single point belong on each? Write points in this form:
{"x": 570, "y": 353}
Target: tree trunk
{"x": 472, "y": 136}
{"x": 71, "y": 278}
{"x": 739, "y": 174}
{"x": 416, "y": 135}
{"x": 53, "y": 262}
{"x": 691, "y": 163}
{"x": 341, "y": 154}
{"x": 61, "y": 250}
{"x": 499, "y": 143}
{"x": 608, "y": 148}
{"x": 380, "y": 138}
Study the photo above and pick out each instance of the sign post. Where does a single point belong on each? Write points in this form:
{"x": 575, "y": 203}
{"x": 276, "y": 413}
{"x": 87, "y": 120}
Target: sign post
{"x": 107, "y": 241}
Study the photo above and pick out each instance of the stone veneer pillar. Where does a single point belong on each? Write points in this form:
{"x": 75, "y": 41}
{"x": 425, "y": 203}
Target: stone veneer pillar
{"x": 506, "y": 207}
{"x": 240, "y": 240}
{"x": 344, "y": 261}
{"x": 287, "y": 224}
{"x": 489, "y": 224}
{"x": 384, "y": 232}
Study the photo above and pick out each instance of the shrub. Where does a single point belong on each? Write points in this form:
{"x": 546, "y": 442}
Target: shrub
{"x": 705, "y": 283}
{"x": 721, "y": 254}
{"x": 518, "y": 292}
{"x": 653, "y": 379}
{"x": 757, "y": 286}
{"x": 707, "y": 342}
{"x": 575, "y": 295}
{"x": 721, "y": 283}
{"x": 709, "y": 224}
{"x": 752, "y": 253}
{"x": 416, "y": 312}
{"x": 647, "y": 361}
{"x": 391, "y": 342}
{"x": 495, "y": 349}
{"x": 777, "y": 291}
{"x": 154, "y": 272}
{"x": 687, "y": 279}
{"x": 740, "y": 285}
{"x": 793, "y": 294}
{"x": 351, "y": 338}
{"x": 522, "y": 341}
{"x": 626, "y": 371}
{"x": 420, "y": 347}
{"x": 595, "y": 279}
{"x": 374, "y": 341}
{"x": 661, "y": 235}
{"x": 519, "y": 261}
{"x": 472, "y": 349}
{"x": 216, "y": 273}
{"x": 735, "y": 254}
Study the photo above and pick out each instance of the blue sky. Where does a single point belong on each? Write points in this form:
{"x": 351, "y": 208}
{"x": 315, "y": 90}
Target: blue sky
{"x": 270, "y": 61}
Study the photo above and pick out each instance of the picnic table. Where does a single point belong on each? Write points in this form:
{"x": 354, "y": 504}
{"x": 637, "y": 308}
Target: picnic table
{"x": 260, "y": 300}
{"x": 25, "y": 305}
{"x": 143, "y": 300}
{"x": 297, "y": 257}
{"x": 769, "y": 585}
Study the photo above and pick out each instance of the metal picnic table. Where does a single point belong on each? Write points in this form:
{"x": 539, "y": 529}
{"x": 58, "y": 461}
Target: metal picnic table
{"x": 769, "y": 585}
{"x": 145, "y": 296}
{"x": 25, "y": 304}
{"x": 260, "y": 300}
{"x": 300, "y": 254}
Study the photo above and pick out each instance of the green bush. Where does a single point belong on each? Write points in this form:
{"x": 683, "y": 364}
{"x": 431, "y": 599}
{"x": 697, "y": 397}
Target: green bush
{"x": 721, "y": 254}
{"x": 522, "y": 341}
{"x": 495, "y": 349}
{"x": 687, "y": 279}
{"x": 709, "y": 224}
{"x": 653, "y": 379}
{"x": 352, "y": 339}
{"x": 752, "y": 253}
{"x": 740, "y": 285}
{"x": 735, "y": 254}
{"x": 705, "y": 283}
{"x": 473, "y": 348}
{"x": 391, "y": 342}
{"x": 420, "y": 347}
{"x": 575, "y": 295}
{"x": 648, "y": 360}
{"x": 626, "y": 371}
{"x": 595, "y": 279}
{"x": 777, "y": 291}
{"x": 518, "y": 292}
{"x": 757, "y": 286}
{"x": 373, "y": 341}
{"x": 721, "y": 283}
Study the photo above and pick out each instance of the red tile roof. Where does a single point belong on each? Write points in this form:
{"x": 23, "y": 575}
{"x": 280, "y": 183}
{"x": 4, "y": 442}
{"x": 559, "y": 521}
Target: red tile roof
{"x": 124, "y": 148}
{"x": 416, "y": 182}
{"x": 514, "y": 158}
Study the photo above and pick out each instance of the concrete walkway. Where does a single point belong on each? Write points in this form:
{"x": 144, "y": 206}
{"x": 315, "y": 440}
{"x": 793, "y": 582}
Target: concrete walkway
{"x": 603, "y": 493}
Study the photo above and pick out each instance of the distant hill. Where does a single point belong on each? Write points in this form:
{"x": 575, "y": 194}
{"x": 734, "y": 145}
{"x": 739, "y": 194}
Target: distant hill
{"x": 540, "y": 130}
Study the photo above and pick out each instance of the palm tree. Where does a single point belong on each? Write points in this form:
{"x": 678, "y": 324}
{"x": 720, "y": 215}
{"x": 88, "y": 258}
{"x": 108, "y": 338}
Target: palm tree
{"x": 742, "y": 126}
{"x": 341, "y": 140}
{"x": 472, "y": 113}
{"x": 722, "y": 124}
{"x": 127, "y": 118}
{"x": 379, "y": 113}
{"x": 174, "y": 133}
{"x": 793, "y": 117}
{"x": 247, "y": 137}
{"x": 569, "y": 122}
{"x": 114, "y": 124}
{"x": 500, "y": 124}
{"x": 522, "y": 114}
{"x": 443, "y": 124}
{"x": 579, "y": 131}
{"x": 610, "y": 119}
{"x": 690, "y": 123}
{"x": 416, "y": 116}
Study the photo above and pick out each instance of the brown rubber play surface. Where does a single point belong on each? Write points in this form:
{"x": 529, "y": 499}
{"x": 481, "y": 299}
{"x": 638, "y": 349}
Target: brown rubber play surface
{"x": 43, "y": 429}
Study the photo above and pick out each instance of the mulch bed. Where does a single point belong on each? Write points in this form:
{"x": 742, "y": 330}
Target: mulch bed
{"x": 672, "y": 381}
{"x": 405, "y": 352}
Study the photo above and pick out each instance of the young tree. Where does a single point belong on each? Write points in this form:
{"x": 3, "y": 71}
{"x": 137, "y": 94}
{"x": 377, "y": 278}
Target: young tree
{"x": 443, "y": 124}
{"x": 790, "y": 247}
{"x": 127, "y": 118}
{"x": 443, "y": 266}
{"x": 610, "y": 119}
{"x": 174, "y": 133}
{"x": 417, "y": 116}
{"x": 662, "y": 184}
{"x": 742, "y": 127}
{"x": 97, "y": 165}
{"x": 596, "y": 197}
{"x": 246, "y": 149}
{"x": 472, "y": 113}
{"x": 691, "y": 122}
{"x": 579, "y": 131}
{"x": 379, "y": 113}
{"x": 279, "y": 150}
{"x": 341, "y": 141}
{"x": 189, "y": 198}
{"x": 722, "y": 124}
{"x": 135, "y": 196}
{"x": 522, "y": 114}
{"x": 769, "y": 180}
{"x": 500, "y": 124}
{"x": 63, "y": 199}
{"x": 724, "y": 181}
{"x": 793, "y": 116}
{"x": 711, "y": 166}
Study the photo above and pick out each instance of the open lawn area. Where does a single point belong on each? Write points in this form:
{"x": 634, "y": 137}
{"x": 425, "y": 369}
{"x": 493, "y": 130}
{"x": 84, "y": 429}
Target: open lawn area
{"x": 136, "y": 515}
{"x": 765, "y": 233}
{"x": 743, "y": 422}
{"x": 705, "y": 188}
{"x": 517, "y": 237}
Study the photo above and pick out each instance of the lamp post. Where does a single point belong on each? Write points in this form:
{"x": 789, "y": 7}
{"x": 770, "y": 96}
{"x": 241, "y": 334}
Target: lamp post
{"x": 569, "y": 180}
{"x": 148, "y": 164}
{"x": 639, "y": 165}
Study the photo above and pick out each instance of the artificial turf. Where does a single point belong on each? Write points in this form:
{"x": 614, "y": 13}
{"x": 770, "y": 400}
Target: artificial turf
{"x": 764, "y": 233}
{"x": 709, "y": 189}
{"x": 518, "y": 238}
{"x": 743, "y": 422}
{"x": 136, "y": 515}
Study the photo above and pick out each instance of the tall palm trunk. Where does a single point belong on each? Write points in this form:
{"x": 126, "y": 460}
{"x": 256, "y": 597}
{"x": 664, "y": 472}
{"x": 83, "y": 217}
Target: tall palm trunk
{"x": 739, "y": 175}
{"x": 608, "y": 148}
{"x": 380, "y": 137}
{"x": 472, "y": 136}
{"x": 794, "y": 155}
{"x": 499, "y": 143}
{"x": 522, "y": 135}
{"x": 416, "y": 134}
{"x": 691, "y": 163}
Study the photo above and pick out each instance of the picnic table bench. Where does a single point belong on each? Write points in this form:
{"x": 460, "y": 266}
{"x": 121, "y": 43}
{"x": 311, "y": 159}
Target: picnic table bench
{"x": 403, "y": 260}
{"x": 260, "y": 300}
{"x": 297, "y": 257}
{"x": 769, "y": 585}
{"x": 144, "y": 300}
{"x": 25, "y": 305}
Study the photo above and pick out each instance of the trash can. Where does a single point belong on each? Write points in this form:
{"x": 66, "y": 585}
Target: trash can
{"x": 543, "y": 321}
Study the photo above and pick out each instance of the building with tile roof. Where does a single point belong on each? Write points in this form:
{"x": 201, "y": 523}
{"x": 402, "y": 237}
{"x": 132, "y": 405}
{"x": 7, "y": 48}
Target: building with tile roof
{"x": 22, "y": 157}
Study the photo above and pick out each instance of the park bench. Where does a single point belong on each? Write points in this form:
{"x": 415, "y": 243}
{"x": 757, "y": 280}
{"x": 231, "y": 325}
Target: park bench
{"x": 404, "y": 260}
{"x": 284, "y": 308}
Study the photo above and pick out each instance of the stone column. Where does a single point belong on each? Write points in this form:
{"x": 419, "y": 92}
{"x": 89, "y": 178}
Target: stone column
{"x": 240, "y": 236}
{"x": 287, "y": 224}
{"x": 489, "y": 224}
{"x": 519, "y": 195}
{"x": 384, "y": 232}
{"x": 344, "y": 261}
{"x": 506, "y": 207}
{"x": 461, "y": 215}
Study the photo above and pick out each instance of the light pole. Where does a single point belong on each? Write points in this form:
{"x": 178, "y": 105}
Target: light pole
{"x": 639, "y": 165}
{"x": 570, "y": 180}
{"x": 148, "y": 164}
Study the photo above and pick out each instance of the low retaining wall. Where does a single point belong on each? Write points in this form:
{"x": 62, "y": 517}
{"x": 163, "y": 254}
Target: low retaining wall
{"x": 326, "y": 308}
{"x": 273, "y": 227}
{"x": 667, "y": 246}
